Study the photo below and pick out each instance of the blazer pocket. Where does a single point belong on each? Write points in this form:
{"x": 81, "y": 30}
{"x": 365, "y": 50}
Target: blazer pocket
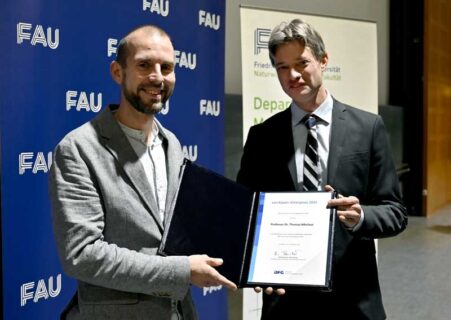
{"x": 89, "y": 294}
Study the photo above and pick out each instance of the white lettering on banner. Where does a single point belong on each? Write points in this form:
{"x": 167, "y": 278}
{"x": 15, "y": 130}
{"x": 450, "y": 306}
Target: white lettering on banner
{"x": 208, "y": 107}
{"x": 185, "y": 60}
{"x": 34, "y": 162}
{"x": 209, "y": 20}
{"x": 165, "y": 110}
{"x": 42, "y": 291}
{"x": 112, "y": 49}
{"x": 209, "y": 290}
{"x": 190, "y": 152}
{"x": 24, "y": 32}
{"x": 80, "y": 101}
{"x": 160, "y": 7}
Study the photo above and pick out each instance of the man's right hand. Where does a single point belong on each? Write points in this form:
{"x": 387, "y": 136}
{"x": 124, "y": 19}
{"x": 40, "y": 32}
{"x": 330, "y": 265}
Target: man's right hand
{"x": 203, "y": 273}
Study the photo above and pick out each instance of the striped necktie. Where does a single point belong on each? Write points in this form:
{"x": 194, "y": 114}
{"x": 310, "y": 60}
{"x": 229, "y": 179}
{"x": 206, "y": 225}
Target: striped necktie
{"x": 311, "y": 159}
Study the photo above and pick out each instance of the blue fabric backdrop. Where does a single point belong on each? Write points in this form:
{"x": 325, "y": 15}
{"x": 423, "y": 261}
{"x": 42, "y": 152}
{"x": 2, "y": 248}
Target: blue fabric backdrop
{"x": 54, "y": 76}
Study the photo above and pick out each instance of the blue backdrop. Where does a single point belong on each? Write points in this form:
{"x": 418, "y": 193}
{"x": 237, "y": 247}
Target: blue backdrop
{"x": 54, "y": 76}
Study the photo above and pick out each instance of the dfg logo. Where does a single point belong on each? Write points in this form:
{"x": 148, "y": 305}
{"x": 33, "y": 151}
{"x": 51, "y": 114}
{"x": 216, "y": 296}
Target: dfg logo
{"x": 41, "y": 290}
{"x": 36, "y": 35}
{"x": 278, "y": 272}
{"x": 160, "y": 7}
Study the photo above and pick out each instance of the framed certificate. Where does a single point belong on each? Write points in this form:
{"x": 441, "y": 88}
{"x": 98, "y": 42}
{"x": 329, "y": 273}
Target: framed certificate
{"x": 280, "y": 239}
{"x": 292, "y": 240}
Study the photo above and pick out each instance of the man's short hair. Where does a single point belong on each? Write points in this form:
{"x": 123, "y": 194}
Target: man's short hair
{"x": 123, "y": 48}
{"x": 296, "y": 30}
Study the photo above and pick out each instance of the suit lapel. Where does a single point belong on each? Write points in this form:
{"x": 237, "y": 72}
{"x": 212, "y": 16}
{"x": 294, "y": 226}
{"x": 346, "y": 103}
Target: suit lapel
{"x": 174, "y": 159}
{"x": 337, "y": 140}
{"x": 287, "y": 151}
{"x": 117, "y": 143}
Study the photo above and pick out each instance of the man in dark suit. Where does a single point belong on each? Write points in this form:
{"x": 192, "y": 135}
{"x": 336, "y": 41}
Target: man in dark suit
{"x": 351, "y": 155}
{"x": 113, "y": 184}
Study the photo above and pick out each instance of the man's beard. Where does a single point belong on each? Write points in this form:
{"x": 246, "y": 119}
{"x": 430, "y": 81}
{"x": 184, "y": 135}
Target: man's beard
{"x": 139, "y": 105}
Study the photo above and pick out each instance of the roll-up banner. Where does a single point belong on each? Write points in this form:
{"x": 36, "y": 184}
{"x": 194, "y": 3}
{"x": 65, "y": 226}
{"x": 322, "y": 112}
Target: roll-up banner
{"x": 351, "y": 75}
{"x": 55, "y": 76}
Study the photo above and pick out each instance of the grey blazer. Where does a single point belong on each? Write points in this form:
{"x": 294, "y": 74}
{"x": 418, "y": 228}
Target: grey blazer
{"x": 107, "y": 226}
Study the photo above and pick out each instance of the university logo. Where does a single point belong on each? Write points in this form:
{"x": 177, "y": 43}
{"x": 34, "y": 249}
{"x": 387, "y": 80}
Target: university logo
{"x": 40, "y": 290}
{"x": 210, "y": 108}
{"x": 186, "y": 60}
{"x": 83, "y": 101}
{"x": 209, "y": 20}
{"x": 35, "y": 162}
{"x": 111, "y": 46}
{"x": 210, "y": 290}
{"x": 36, "y": 35}
{"x": 190, "y": 152}
{"x": 261, "y": 39}
{"x": 160, "y": 7}
{"x": 165, "y": 110}
{"x": 183, "y": 59}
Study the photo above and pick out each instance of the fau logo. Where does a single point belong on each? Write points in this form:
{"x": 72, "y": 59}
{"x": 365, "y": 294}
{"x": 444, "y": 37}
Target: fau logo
{"x": 210, "y": 290}
{"x": 43, "y": 290}
{"x": 160, "y": 7}
{"x": 165, "y": 110}
{"x": 185, "y": 60}
{"x": 210, "y": 108}
{"x": 190, "y": 152}
{"x": 209, "y": 20}
{"x": 37, "y": 35}
{"x": 112, "y": 46}
{"x": 80, "y": 101}
{"x": 34, "y": 162}
{"x": 261, "y": 39}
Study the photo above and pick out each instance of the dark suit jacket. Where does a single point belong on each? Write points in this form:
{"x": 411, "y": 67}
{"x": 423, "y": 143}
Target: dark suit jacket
{"x": 359, "y": 164}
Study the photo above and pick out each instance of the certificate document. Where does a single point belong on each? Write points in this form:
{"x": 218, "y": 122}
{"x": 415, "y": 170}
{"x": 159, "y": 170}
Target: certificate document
{"x": 292, "y": 241}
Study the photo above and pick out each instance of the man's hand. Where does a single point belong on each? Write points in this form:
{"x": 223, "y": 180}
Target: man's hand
{"x": 270, "y": 290}
{"x": 203, "y": 273}
{"x": 348, "y": 208}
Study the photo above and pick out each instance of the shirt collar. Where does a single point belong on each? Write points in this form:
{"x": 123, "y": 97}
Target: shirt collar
{"x": 140, "y": 136}
{"x": 323, "y": 112}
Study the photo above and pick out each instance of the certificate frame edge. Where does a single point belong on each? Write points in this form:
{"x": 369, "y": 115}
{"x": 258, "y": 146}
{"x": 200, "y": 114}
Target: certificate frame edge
{"x": 328, "y": 281}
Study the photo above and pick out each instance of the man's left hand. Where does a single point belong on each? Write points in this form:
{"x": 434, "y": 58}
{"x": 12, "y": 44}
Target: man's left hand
{"x": 348, "y": 209}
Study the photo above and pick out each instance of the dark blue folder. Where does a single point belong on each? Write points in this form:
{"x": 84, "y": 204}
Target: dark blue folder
{"x": 212, "y": 216}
